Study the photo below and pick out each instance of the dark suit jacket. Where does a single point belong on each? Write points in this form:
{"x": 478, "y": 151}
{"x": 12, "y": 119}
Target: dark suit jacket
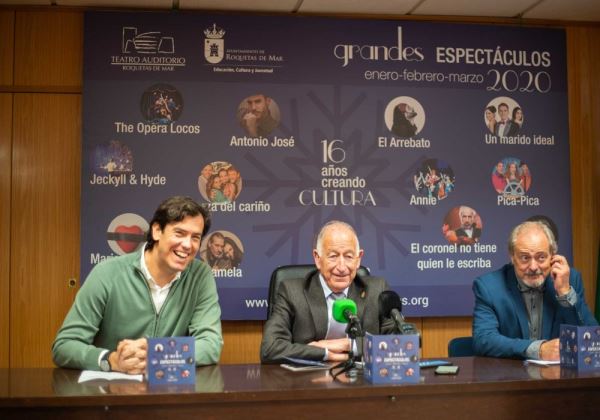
{"x": 460, "y": 232}
{"x": 512, "y": 129}
{"x": 500, "y": 321}
{"x": 300, "y": 317}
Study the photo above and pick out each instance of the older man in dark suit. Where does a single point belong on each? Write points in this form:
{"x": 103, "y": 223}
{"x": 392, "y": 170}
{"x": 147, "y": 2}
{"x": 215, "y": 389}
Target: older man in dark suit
{"x": 301, "y": 325}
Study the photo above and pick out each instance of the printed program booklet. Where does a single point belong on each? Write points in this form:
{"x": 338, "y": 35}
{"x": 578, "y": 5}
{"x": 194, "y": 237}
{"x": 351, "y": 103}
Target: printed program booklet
{"x": 171, "y": 361}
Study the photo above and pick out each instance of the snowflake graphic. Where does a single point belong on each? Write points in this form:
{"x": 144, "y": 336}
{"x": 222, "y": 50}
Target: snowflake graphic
{"x": 304, "y": 170}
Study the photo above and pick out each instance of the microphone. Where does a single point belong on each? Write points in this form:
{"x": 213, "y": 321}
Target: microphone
{"x": 344, "y": 311}
{"x": 390, "y": 306}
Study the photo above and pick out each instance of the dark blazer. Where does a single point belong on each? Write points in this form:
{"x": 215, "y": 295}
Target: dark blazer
{"x": 512, "y": 129}
{"x": 460, "y": 232}
{"x": 500, "y": 321}
{"x": 300, "y": 317}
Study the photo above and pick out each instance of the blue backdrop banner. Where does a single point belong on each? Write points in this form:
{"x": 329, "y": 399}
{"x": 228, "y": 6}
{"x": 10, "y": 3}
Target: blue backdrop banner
{"x": 432, "y": 139}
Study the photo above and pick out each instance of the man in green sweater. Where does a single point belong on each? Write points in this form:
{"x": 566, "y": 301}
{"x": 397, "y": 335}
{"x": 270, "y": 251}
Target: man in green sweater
{"x": 160, "y": 291}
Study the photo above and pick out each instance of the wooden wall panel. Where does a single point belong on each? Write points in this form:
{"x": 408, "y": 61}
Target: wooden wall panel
{"x": 5, "y": 169}
{"x": 437, "y": 332}
{"x": 7, "y": 27}
{"x": 584, "y": 122}
{"x": 45, "y": 221}
{"x": 242, "y": 341}
{"x": 49, "y": 49}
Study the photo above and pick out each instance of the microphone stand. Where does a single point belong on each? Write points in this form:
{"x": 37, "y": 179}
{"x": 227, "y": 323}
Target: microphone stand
{"x": 403, "y": 328}
{"x": 353, "y": 330}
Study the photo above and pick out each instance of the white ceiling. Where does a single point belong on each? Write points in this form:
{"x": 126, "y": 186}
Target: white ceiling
{"x": 571, "y": 10}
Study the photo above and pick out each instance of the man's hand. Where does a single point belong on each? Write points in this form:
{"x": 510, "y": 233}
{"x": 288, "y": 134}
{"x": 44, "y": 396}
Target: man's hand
{"x": 337, "y": 349}
{"x": 549, "y": 350}
{"x": 250, "y": 122}
{"x": 560, "y": 274}
{"x": 130, "y": 356}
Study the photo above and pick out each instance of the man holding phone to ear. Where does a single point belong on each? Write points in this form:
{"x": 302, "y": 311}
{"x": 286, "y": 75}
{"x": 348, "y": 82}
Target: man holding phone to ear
{"x": 519, "y": 308}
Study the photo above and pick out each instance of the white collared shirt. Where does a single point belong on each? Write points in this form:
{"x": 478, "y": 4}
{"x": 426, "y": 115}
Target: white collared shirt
{"x": 327, "y": 292}
{"x": 502, "y": 127}
{"x": 159, "y": 294}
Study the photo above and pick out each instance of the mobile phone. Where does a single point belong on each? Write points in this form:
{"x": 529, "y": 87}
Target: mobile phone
{"x": 446, "y": 370}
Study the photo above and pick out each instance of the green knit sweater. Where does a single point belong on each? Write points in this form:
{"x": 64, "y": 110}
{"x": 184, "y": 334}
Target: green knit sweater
{"x": 115, "y": 303}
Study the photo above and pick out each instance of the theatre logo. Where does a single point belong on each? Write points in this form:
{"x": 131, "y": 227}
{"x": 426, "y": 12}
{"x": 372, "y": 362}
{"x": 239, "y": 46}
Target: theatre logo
{"x": 147, "y": 51}
{"x": 214, "y": 44}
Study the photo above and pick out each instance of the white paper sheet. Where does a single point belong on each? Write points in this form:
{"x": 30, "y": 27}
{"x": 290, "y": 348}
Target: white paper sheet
{"x": 543, "y": 362}
{"x": 90, "y": 375}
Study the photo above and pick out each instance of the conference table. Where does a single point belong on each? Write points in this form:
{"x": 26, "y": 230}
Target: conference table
{"x": 484, "y": 388}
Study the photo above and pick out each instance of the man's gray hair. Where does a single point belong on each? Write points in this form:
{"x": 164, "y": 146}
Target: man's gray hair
{"x": 512, "y": 239}
{"x": 329, "y": 225}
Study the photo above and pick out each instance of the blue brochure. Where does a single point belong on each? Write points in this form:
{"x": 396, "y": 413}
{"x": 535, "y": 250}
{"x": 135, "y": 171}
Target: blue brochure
{"x": 580, "y": 347}
{"x": 171, "y": 361}
{"x": 305, "y": 362}
{"x": 391, "y": 359}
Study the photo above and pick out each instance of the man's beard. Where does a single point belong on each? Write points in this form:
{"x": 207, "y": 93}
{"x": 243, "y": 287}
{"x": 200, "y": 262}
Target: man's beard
{"x": 529, "y": 280}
